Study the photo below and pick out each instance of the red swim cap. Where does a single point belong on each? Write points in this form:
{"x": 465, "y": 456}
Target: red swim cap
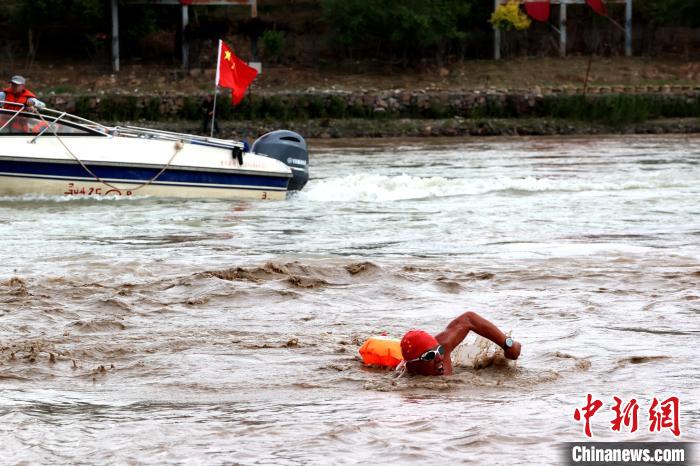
{"x": 415, "y": 343}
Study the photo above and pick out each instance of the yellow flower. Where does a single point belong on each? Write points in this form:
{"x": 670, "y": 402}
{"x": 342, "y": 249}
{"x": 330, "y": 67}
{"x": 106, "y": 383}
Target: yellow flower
{"x": 509, "y": 16}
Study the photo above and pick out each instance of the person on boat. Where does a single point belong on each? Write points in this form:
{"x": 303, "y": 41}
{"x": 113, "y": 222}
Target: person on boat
{"x": 17, "y": 95}
{"x": 425, "y": 354}
{"x": 207, "y": 108}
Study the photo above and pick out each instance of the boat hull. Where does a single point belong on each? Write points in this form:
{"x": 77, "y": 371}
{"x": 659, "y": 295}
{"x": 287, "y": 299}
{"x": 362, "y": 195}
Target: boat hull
{"x": 68, "y": 178}
{"x": 167, "y": 168}
{"x": 19, "y": 186}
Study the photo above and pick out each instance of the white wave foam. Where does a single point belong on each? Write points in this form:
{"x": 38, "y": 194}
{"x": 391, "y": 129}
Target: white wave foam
{"x": 56, "y": 198}
{"x": 380, "y": 188}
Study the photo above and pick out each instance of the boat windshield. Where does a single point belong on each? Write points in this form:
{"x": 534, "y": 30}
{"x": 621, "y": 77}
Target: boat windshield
{"x": 15, "y": 123}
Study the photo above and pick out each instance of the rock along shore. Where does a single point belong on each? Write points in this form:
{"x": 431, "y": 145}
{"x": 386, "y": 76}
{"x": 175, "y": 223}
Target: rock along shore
{"x": 319, "y": 113}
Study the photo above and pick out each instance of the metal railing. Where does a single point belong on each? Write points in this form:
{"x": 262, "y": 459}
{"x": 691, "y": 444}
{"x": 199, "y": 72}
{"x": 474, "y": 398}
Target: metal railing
{"x": 49, "y": 114}
{"x": 175, "y": 136}
{"x": 53, "y": 117}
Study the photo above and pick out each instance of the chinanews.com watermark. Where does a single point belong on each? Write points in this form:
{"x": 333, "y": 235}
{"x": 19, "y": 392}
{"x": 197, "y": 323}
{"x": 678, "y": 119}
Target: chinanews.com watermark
{"x": 655, "y": 416}
{"x": 628, "y": 453}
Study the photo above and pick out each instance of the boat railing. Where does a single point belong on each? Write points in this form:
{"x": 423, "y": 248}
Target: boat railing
{"x": 12, "y": 118}
{"x": 49, "y": 126}
{"x": 175, "y": 136}
{"x": 54, "y": 116}
{"x": 49, "y": 114}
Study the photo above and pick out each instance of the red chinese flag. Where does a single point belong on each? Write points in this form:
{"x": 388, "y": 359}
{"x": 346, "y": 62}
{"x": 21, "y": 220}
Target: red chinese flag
{"x": 598, "y": 6}
{"x": 233, "y": 73}
{"x": 539, "y": 11}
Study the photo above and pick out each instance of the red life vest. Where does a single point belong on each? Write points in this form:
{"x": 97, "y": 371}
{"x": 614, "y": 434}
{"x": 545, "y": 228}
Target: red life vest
{"x": 20, "y": 99}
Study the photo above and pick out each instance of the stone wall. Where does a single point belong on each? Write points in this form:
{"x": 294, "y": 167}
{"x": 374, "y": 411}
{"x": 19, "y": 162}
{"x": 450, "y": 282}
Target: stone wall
{"x": 610, "y": 105}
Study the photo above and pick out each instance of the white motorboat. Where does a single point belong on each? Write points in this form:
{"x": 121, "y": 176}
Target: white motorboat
{"x": 55, "y": 153}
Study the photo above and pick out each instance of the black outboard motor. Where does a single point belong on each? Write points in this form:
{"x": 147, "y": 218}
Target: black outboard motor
{"x": 289, "y": 148}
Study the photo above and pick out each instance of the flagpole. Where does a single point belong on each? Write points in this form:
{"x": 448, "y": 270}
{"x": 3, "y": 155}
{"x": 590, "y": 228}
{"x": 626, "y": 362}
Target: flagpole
{"x": 213, "y": 113}
{"x": 216, "y": 89}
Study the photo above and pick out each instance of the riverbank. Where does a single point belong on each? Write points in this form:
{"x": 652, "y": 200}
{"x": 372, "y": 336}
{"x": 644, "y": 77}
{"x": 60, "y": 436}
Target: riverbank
{"x": 323, "y": 114}
{"x": 529, "y": 96}
{"x": 530, "y": 73}
{"x": 450, "y": 127}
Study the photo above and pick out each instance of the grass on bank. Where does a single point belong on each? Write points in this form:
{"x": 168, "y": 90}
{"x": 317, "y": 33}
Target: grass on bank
{"x": 613, "y": 109}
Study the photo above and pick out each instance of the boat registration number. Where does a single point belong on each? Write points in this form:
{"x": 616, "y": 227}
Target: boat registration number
{"x": 75, "y": 190}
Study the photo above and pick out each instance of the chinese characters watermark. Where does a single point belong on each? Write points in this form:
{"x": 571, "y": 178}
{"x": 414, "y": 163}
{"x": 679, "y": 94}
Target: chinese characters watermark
{"x": 662, "y": 415}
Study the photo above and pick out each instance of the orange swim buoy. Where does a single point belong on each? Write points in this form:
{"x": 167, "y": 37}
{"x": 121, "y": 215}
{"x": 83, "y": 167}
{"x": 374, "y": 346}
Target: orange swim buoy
{"x": 381, "y": 351}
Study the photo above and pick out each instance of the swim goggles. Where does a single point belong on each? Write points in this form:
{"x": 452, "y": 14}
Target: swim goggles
{"x": 430, "y": 354}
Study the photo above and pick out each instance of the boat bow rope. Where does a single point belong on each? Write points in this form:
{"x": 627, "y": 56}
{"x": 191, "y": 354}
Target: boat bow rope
{"x": 179, "y": 145}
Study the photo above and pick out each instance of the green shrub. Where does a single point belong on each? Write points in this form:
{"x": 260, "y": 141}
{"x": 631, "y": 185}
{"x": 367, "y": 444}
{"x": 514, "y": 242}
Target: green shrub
{"x": 273, "y": 44}
{"x": 336, "y": 107}
{"x": 403, "y": 28}
{"x": 190, "y": 109}
{"x": 619, "y": 109}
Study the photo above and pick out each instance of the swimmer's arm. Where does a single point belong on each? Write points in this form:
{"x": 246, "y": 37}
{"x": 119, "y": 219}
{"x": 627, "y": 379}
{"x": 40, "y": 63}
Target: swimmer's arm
{"x": 457, "y": 330}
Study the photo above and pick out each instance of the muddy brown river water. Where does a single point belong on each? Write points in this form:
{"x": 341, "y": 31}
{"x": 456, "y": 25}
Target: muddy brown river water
{"x": 151, "y": 331}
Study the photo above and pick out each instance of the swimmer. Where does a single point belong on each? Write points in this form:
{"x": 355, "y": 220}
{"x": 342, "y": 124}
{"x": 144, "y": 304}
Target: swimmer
{"x": 430, "y": 355}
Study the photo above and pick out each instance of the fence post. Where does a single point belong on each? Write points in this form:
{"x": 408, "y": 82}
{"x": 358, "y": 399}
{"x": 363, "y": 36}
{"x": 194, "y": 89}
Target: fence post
{"x": 562, "y": 28}
{"x": 115, "y": 36}
{"x": 496, "y": 36}
{"x": 185, "y": 42}
{"x": 628, "y": 28}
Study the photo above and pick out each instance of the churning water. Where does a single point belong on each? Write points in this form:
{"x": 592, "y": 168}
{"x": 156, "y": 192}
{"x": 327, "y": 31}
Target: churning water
{"x": 207, "y": 332}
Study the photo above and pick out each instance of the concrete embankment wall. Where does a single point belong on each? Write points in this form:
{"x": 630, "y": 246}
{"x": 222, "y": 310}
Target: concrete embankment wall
{"x": 420, "y": 112}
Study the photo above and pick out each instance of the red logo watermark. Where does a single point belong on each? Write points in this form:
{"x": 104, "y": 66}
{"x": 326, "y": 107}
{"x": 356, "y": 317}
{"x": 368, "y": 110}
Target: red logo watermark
{"x": 663, "y": 415}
